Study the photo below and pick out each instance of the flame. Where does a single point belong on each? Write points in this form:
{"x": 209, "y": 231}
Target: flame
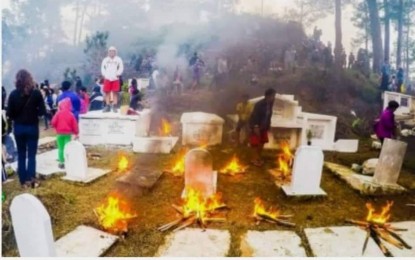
{"x": 233, "y": 167}
{"x": 195, "y": 204}
{"x": 123, "y": 163}
{"x": 283, "y": 166}
{"x": 259, "y": 208}
{"x": 114, "y": 213}
{"x": 165, "y": 129}
{"x": 285, "y": 147}
{"x": 377, "y": 218}
{"x": 178, "y": 168}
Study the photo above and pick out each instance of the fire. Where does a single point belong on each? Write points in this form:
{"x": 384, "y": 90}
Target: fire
{"x": 114, "y": 214}
{"x": 285, "y": 147}
{"x": 165, "y": 129}
{"x": 233, "y": 167}
{"x": 178, "y": 168}
{"x": 123, "y": 164}
{"x": 260, "y": 208}
{"x": 377, "y": 218}
{"x": 283, "y": 166}
{"x": 195, "y": 204}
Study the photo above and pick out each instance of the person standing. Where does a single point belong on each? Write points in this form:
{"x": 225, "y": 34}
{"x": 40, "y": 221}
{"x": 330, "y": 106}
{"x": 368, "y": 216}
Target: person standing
{"x": 260, "y": 123}
{"x": 385, "y": 126}
{"x": 351, "y": 60}
{"x": 25, "y": 106}
{"x": 96, "y": 100}
{"x": 400, "y": 79}
{"x": 65, "y": 125}
{"x": 386, "y": 70}
{"x": 244, "y": 110}
{"x": 67, "y": 93}
{"x": 111, "y": 69}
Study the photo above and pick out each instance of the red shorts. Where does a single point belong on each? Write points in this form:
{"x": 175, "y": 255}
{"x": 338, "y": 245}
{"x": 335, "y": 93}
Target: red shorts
{"x": 255, "y": 140}
{"x": 111, "y": 86}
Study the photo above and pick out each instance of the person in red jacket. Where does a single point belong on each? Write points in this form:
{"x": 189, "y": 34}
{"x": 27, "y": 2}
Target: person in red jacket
{"x": 65, "y": 125}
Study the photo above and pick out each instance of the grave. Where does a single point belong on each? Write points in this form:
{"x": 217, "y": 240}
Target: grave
{"x": 348, "y": 241}
{"x": 361, "y": 183}
{"x": 199, "y": 174}
{"x": 154, "y": 144}
{"x": 201, "y": 129}
{"x": 138, "y": 182}
{"x": 76, "y": 164}
{"x": 390, "y": 162}
{"x": 46, "y": 164}
{"x": 271, "y": 244}
{"x": 193, "y": 242}
{"x": 35, "y": 237}
{"x": 47, "y": 141}
{"x": 96, "y": 127}
{"x": 306, "y": 173}
{"x": 406, "y": 102}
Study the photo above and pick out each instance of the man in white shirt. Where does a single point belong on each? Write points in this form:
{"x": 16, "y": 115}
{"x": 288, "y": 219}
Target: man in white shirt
{"x": 111, "y": 69}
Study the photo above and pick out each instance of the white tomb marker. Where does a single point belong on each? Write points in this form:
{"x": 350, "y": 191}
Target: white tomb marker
{"x": 306, "y": 174}
{"x": 199, "y": 174}
{"x": 32, "y": 227}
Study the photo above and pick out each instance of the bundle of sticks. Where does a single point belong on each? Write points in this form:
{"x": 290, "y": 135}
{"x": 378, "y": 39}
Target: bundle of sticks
{"x": 186, "y": 220}
{"x": 280, "y": 220}
{"x": 379, "y": 232}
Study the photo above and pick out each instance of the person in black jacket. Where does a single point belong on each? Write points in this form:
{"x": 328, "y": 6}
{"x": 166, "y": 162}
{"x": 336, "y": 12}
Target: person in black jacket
{"x": 96, "y": 101}
{"x": 24, "y": 108}
{"x": 260, "y": 123}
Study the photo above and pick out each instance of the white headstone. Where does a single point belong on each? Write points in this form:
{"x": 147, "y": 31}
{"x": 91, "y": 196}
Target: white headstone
{"x": 199, "y": 174}
{"x": 201, "y": 128}
{"x": 76, "y": 163}
{"x": 32, "y": 227}
{"x": 390, "y": 162}
{"x": 307, "y": 170}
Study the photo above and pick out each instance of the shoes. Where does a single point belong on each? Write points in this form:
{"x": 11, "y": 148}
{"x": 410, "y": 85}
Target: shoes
{"x": 114, "y": 109}
{"x": 35, "y": 184}
{"x": 61, "y": 166}
{"x": 107, "y": 109}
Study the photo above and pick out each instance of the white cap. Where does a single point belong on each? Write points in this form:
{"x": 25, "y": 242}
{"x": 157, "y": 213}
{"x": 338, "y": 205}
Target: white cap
{"x": 112, "y": 48}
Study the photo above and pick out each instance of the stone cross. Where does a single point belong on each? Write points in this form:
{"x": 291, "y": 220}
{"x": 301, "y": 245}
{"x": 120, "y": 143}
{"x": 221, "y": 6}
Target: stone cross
{"x": 199, "y": 174}
{"x": 390, "y": 162}
{"x": 307, "y": 170}
{"x": 32, "y": 227}
{"x": 76, "y": 163}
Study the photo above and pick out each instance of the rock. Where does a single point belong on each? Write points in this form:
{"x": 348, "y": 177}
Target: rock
{"x": 406, "y": 132}
{"x": 377, "y": 145}
{"x": 374, "y": 137}
{"x": 369, "y": 166}
{"x": 356, "y": 167}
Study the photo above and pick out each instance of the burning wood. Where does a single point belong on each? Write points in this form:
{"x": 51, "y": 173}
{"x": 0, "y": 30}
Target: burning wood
{"x": 271, "y": 215}
{"x": 178, "y": 167}
{"x": 122, "y": 164}
{"x": 378, "y": 229}
{"x": 285, "y": 161}
{"x": 196, "y": 209}
{"x": 234, "y": 167}
{"x": 114, "y": 214}
{"x": 165, "y": 129}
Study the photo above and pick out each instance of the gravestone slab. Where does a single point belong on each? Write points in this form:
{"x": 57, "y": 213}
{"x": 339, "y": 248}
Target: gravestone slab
{"x": 194, "y": 242}
{"x": 201, "y": 128}
{"x": 306, "y": 173}
{"x": 46, "y": 140}
{"x": 77, "y": 165}
{"x": 199, "y": 174}
{"x": 140, "y": 181}
{"x": 46, "y": 164}
{"x": 390, "y": 162}
{"x": 340, "y": 242}
{"x": 346, "y": 145}
{"x": 271, "y": 244}
{"x": 156, "y": 144}
{"x": 84, "y": 241}
{"x": 363, "y": 184}
{"x": 32, "y": 227}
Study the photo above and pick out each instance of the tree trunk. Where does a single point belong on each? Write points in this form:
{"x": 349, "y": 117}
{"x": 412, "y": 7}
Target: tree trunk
{"x": 376, "y": 34}
{"x": 367, "y": 29}
{"x": 400, "y": 32}
{"x": 387, "y": 29}
{"x": 75, "y": 32}
{"x": 408, "y": 32}
{"x": 338, "y": 48}
{"x": 81, "y": 24}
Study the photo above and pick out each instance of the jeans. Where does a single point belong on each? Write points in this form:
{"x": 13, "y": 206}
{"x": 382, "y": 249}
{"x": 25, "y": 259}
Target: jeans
{"x": 27, "y": 137}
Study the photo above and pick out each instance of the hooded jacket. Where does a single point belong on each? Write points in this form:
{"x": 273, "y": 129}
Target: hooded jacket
{"x": 385, "y": 127}
{"x": 76, "y": 102}
{"x": 111, "y": 68}
{"x": 64, "y": 121}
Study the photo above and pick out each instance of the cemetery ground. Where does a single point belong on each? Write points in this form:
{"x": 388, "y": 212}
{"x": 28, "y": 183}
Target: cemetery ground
{"x": 71, "y": 205}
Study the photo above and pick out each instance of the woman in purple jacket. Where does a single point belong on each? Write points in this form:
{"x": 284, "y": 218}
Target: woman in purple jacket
{"x": 385, "y": 126}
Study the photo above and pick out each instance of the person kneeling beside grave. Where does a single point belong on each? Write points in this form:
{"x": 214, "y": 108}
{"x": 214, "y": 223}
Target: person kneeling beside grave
{"x": 65, "y": 124}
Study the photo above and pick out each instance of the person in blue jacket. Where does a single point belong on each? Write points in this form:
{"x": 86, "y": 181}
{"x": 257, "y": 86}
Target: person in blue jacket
{"x": 67, "y": 93}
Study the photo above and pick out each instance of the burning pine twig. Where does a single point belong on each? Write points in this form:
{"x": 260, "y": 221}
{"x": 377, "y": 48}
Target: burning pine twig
{"x": 178, "y": 167}
{"x": 234, "y": 167}
{"x": 285, "y": 161}
{"x": 122, "y": 164}
{"x": 196, "y": 209}
{"x": 165, "y": 129}
{"x": 271, "y": 215}
{"x": 113, "y": 215}
{"x": 378, "y": 229}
